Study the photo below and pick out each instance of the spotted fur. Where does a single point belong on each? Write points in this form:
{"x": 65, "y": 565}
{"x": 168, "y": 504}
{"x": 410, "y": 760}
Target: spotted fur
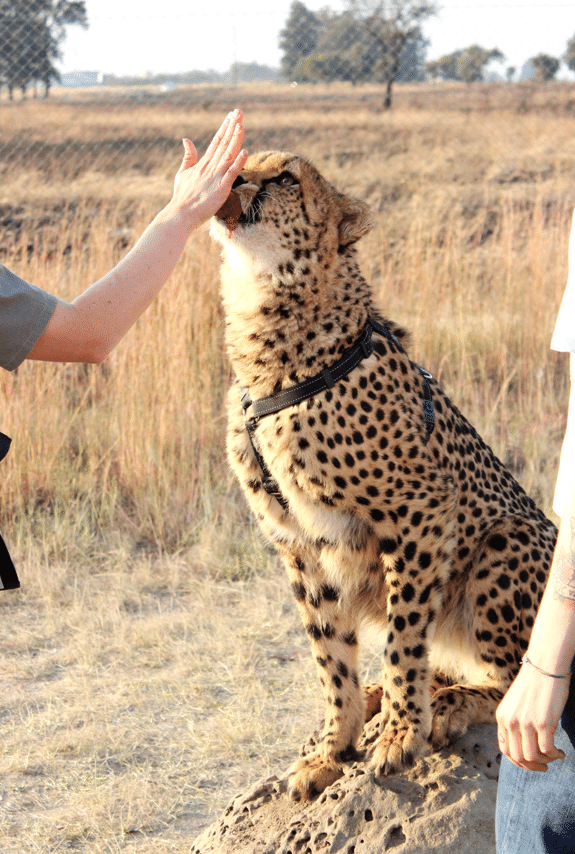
{"x": 432, "y": 541}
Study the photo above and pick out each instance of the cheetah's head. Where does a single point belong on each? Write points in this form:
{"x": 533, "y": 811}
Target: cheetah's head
{"x": 289, "y": 211}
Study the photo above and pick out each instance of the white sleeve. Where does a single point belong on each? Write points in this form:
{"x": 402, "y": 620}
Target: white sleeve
{"x": 567, "y": 462}
{"x": 564, "y": 335}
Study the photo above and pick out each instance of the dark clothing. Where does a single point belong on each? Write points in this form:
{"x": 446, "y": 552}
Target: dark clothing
{"x": 24, "y": 312}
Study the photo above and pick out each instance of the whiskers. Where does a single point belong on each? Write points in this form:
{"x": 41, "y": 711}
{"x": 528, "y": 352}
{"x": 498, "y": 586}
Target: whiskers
{"x": 254, "y": 212}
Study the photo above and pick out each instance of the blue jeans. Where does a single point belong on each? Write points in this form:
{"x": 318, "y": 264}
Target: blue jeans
{"x": 536, "y": 811}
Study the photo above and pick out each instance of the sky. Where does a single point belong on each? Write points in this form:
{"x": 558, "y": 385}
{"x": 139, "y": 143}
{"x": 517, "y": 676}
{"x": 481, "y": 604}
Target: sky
{"x": 138, "y": 36}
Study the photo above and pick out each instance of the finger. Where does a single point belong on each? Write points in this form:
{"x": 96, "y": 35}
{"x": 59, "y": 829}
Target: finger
{"x": 234, "y": 170}
{"x": 229, "y": 154}
{"x": 190, "y": 156}
{"x": 530, "y": 745}
{"x": 551, "y": 756}
{"x": 240, "y": 162}
{"x": 514, "y": 746}
{"x": 546, "y": 745}
{"x": 226, "y": 127}
{"x": 231, "y": 141}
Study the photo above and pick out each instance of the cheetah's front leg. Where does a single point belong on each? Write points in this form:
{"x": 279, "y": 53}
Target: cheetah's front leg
{"x": 407, "y": 674}
{"x": 333, "y": 637}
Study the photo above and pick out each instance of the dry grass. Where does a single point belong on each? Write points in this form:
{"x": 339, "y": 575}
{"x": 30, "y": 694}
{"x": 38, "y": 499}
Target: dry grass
{"x": 138, "y": 697}
{"x": 153, "y": 662}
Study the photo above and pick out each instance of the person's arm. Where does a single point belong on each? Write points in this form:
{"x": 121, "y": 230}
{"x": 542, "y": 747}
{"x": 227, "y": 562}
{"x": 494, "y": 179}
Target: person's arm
{"x": 531, "y": 709}
{"x": 87, "y": 329}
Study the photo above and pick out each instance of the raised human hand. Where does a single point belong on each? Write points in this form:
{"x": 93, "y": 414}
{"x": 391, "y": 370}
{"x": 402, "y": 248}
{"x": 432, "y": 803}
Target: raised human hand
{"x": 202, "y": 186}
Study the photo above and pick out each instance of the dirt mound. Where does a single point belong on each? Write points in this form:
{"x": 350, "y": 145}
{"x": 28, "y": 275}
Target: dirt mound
{"x": 445, "y": 802}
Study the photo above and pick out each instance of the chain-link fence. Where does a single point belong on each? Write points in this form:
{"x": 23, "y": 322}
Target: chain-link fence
{"x": 457, "y": 173}
{"x": 65, "y": 136}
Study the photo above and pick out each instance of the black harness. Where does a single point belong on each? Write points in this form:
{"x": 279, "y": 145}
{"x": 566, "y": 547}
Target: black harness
{"x": 321, "y": 382}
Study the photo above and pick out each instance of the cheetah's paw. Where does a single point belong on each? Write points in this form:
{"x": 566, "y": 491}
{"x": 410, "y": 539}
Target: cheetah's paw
{"x": 310, "y": 775}
{"x": 450, "y": 716}
{"x": 396, "y": 748}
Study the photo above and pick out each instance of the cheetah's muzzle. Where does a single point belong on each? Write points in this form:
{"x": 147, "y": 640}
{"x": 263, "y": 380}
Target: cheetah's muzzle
{"x": 231, "y": 211}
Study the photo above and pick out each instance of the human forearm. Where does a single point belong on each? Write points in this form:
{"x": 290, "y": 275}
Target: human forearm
{"x": 530, "y": 711}
{"x": 98, "y": 319}
{"x": 552, "y": 643}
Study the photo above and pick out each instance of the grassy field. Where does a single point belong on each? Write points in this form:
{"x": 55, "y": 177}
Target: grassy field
{"x": 153, "y": 662}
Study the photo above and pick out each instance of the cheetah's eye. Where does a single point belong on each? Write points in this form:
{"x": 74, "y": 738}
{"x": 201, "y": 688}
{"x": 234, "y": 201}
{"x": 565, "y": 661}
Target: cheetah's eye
{"x": 286, "y": 180}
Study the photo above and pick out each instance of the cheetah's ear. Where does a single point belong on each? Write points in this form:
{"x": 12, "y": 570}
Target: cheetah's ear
{"x": 356, "y": 219}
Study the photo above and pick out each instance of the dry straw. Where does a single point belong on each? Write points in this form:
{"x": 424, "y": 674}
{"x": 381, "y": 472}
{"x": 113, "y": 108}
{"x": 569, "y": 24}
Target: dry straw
{"x": 153, "y": 662}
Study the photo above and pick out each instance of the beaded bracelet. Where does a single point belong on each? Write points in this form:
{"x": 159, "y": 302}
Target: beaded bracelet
{"x": 525, "y": 660}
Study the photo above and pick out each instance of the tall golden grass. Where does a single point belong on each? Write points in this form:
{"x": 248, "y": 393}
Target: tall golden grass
{"x": 153, "y": 660}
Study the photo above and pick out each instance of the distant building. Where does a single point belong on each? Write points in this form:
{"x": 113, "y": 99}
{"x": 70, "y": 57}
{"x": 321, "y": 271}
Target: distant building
{"x": 82, "y": 78}
{"x": 527, "y": 72}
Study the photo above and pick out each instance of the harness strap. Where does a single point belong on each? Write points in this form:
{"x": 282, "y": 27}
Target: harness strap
{"x": 269, "y": 483}
{"x": 321, "y": 382}
{"x": 314, "y": 385}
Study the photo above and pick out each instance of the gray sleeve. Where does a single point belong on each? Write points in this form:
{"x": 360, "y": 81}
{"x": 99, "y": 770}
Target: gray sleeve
{"x": 24, "y": 312}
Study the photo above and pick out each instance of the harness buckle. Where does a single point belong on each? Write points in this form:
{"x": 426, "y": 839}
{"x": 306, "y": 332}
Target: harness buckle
{"x": 245, "y": 400}
{"x": 366, "y": 348}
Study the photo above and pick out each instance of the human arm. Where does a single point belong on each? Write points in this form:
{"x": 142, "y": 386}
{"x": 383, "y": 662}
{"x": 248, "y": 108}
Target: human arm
{"x": 87, "y": 329}
{"x": 530, "y": 711}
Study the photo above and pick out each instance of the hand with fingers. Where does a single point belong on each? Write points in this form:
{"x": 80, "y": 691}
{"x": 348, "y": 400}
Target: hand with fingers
{"x": 528, "y": 716}
{"x": 87, "y": 329}
{"x": 202, "y": 186}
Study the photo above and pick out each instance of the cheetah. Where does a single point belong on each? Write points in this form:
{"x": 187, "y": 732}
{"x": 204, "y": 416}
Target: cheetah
{"x": 383, "y": 502}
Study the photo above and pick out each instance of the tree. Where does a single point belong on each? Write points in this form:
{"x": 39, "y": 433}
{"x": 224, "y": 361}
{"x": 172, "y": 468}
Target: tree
{"x": 472, "y": 62}
{"x": 326, "y": 46}
{"x": 344, "y": 51}
{"x": 467, "y": 65}
{"x": 392, "y": 24}
{"x": 445, "y": 68}
{"x": 569, "y": 55}
{"x": 546, "y": 67}
{"x": 298, "y": 39}
{"x": 31, "y": 32}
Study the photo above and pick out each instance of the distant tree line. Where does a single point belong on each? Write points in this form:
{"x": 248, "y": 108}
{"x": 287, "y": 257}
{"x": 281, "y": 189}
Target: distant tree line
{"x": 31, "y": 32}
{"x": 377, "y": 41}
{"x": 382, "y": 42}
{"x": 238, "y": 72}
{"x": 469, "y": 65}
